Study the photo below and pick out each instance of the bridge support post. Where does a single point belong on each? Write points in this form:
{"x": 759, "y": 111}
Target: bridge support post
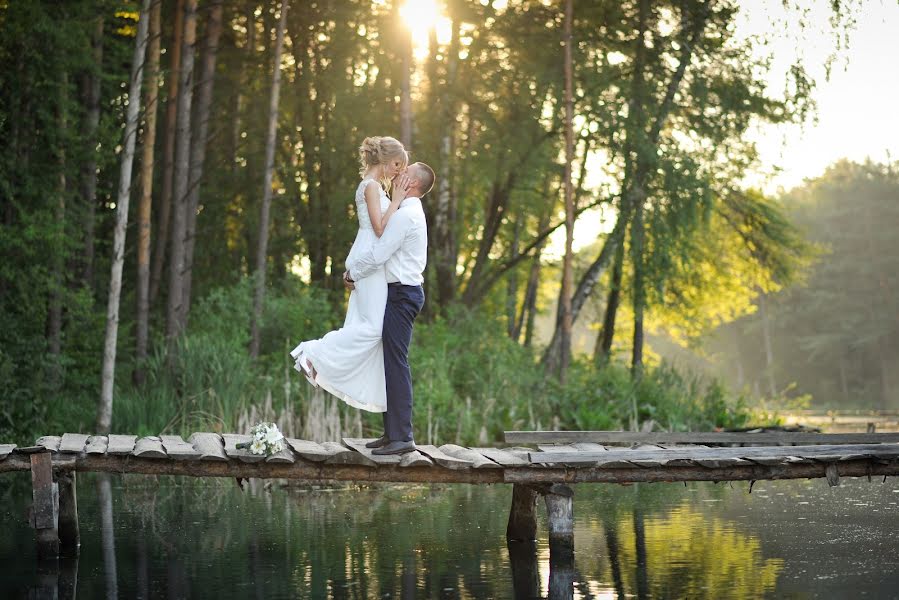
{"x": 522, "y": 525}
{"x": 45, "y": 508}
{"x": 69, "y": 534}
{"x": 559, "y": 500}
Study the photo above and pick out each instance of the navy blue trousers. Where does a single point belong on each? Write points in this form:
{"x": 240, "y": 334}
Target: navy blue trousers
{"x": 404, "y": 302}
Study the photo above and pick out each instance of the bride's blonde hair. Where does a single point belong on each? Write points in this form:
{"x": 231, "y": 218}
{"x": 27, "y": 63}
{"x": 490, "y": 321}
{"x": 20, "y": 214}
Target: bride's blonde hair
{"x": 380, "y": 150}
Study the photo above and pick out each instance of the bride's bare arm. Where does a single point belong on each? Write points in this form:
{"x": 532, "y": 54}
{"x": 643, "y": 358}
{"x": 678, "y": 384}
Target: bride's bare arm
{"x": 373, "y": 203}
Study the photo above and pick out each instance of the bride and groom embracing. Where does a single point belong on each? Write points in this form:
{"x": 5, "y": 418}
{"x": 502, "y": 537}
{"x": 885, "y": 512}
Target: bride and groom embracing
{"x": 366, "y": 362}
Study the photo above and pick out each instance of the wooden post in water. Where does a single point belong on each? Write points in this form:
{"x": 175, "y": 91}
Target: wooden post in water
{"x": 45, "y": 495}
{"x": 559, "y": 500}
{"x": 522, "y": 517}
{"x": 69, "y": 535}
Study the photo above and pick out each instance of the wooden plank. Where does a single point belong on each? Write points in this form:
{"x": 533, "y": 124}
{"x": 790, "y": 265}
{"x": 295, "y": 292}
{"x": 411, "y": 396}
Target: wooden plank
{"x": 310, "y": 450}
{"x": 50, "y": 442}
{"x": 284, "y": 456}
{"x": 120, "y": 444}
{"x": 358, "y": 444}
{"x": 503, "y": 458}
{"x": 477, "y": 460}
{"x": 341, "y": 455}
{"x": 557, "y": 448}
{"x": 149, "y": 447}
{"x": 208, "y": 445}
{"x": 415, "y": 459}
{"x": 5, "y": 449}
{"x": 73, "y": 442}
{"x": 698, "y": 437}
{"x": 231, "y": 440}
{"x": 178, "y": 449}
{"x": 442, "y": 459}
{"x": 868, "y": 450}
{"x": 96, "y": 444}
{"x": 45, "y": 507}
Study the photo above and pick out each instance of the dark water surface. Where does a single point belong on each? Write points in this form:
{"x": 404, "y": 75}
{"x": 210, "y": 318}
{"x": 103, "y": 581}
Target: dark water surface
{"x": 184, "y": 538}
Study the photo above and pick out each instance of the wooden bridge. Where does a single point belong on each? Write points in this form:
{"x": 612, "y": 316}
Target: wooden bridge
{"x": 560, "y": 458}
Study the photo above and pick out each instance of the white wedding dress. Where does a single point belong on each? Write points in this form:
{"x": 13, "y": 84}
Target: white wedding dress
{"x": 349, "y": 362}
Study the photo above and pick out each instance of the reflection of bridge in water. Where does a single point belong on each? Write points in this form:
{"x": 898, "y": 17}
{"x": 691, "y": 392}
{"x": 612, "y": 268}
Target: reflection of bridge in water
{"x": 557, "y": 460}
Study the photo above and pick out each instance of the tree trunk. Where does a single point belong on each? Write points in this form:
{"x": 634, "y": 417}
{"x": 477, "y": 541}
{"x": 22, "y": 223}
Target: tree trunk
{"x": 512, "y": 289}
{"x": 174, "y": 322}
{"x": 54, "y": 313}
{"x": 529, "y": 306}
{"x": 406, "y": 87}
{"x": 607, "y": 334}
{"x": 262, "y": 245}
{"x": 89, "y": 173}
{"x": 198, "y": 145}
{"x": 567, "y": 263}
{"x": 146, "y": 199}
{"x": 639, "y": 282}
{"x": 104, "y": 408}
{"x": 168, "y": 158}
{"x": 766, "y": 340}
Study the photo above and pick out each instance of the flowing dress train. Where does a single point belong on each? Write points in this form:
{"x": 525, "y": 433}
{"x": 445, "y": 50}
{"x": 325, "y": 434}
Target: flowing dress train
{"x": 349, "y": 362}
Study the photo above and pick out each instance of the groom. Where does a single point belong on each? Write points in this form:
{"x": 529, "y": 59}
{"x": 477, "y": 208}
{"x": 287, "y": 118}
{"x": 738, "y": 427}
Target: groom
{"x": 403, "y": 249}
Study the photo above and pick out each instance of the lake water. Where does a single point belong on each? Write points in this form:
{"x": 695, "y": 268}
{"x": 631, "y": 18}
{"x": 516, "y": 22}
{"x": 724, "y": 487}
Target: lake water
{"x": 183, "y": 538}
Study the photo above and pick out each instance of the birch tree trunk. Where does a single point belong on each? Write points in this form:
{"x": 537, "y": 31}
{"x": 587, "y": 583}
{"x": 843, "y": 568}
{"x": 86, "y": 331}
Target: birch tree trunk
{"x": 198, "y": 145}
{"x": 567, "y": 267}
{"x": 146, "y": 199}
{"x": 168, "y": 157}
{"x": 104, "y": 407}
{"x": 89, "y": 174}
{"x": 174, "y": 312}
{"x": 406, "y": 88}
{"x": 262, "y": 247}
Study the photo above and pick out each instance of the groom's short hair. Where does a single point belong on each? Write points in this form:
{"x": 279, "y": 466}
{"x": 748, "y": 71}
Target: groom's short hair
{"x": 425, "y": 177}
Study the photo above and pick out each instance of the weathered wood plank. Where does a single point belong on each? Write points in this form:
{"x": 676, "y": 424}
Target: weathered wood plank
{"x": 478, "y": 460}
{"x": 284, "y": 456}
{"x": 415, "y": 459}
{"x": 208, "y": 445}
{"x": 5, "y": 449}
{"x": 96, "y": 444}
{"x": 45, "y": 510}
{"x": 176, "y": 448}
{"x": 869, "y": 450}
{"x": 149, "y": 447}
{"x": 443, "y": 459}
{"x": 697, "y": 437}
{"x": 232, "y": 439}
{"x": 312, "y": 451}
{"x": 502, "y": 457}
{"x": 557, "y": 448}
{"x": 358, "y": 444}
{"x": 50, "y": 442}
{"x": 341, "y": 455}
{"x": 73, "y": 442}
{"x": 120, "y": 444}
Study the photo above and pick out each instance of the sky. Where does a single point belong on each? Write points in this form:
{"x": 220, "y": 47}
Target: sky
{"x": 856, "y": 117}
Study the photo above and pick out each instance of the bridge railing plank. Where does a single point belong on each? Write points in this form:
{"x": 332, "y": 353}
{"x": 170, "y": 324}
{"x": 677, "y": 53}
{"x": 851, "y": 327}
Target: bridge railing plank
{"x": 697, "y": 437}
{"x": 694, "y": 454}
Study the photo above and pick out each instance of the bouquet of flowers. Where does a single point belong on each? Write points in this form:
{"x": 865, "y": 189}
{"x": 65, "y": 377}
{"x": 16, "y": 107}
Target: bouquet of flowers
{"x": 267, "y": 439}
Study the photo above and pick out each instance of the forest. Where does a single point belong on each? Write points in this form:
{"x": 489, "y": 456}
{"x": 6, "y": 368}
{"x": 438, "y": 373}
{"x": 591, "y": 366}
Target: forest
{"x": 176, "y": 204}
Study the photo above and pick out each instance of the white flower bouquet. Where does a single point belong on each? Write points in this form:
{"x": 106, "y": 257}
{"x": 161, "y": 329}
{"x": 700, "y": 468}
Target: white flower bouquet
{"x": 267, "y": 439}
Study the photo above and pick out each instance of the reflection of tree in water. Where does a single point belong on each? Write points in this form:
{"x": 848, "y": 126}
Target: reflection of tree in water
{"x": 691, "y": 555}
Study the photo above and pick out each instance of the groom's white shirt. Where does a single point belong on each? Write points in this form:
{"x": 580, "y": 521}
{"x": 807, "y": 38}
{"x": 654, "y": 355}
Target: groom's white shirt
{"x": 402, "y": 248}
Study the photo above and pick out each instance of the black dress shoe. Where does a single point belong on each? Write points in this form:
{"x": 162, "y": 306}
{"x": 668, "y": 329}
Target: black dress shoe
{"x": 395, "y": 448}
{"x": 381, "y": 441}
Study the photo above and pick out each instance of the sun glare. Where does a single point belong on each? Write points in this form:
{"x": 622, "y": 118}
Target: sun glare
{"x": 421, "y": 16}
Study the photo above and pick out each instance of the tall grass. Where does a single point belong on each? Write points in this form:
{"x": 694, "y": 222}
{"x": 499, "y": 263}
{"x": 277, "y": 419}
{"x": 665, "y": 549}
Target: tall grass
{"x": 471, "y": 382}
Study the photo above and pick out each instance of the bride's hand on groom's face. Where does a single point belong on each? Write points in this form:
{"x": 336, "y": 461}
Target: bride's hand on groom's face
{"x": 401, "y": 187}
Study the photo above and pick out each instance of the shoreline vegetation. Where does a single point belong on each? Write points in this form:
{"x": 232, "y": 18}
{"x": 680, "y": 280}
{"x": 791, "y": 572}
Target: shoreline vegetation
{"x": 471, "y": 380}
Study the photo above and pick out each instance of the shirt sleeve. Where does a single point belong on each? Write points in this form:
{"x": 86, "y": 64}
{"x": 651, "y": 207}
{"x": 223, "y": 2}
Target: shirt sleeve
{"x": 381, "y": 251}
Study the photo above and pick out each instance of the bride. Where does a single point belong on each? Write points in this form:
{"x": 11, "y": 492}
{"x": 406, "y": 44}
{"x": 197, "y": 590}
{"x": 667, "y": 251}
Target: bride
{"x": 349, "y": 362}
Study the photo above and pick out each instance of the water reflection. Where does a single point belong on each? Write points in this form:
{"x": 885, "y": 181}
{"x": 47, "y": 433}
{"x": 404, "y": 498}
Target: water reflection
{"x": 180, "y": 539}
